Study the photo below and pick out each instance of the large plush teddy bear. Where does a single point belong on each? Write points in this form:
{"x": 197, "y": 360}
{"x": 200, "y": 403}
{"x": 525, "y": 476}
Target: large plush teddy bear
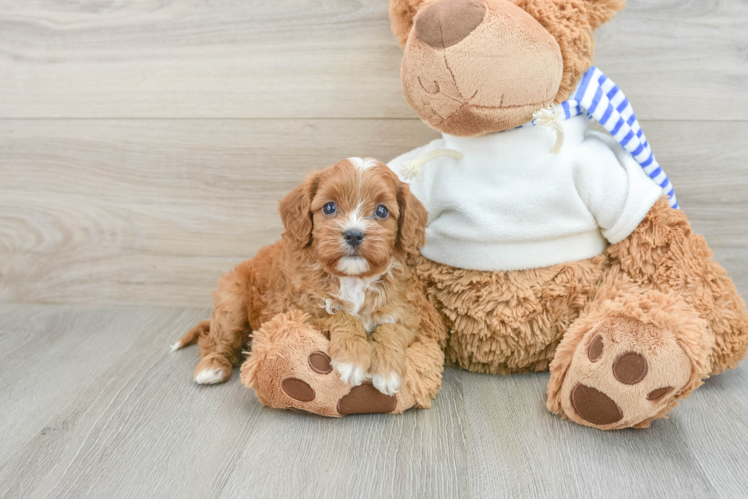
{"x": 550, "y": 246}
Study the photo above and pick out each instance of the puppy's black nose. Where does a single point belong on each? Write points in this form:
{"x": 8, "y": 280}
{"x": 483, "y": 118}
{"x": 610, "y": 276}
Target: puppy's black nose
{"x": 353, "y": 237}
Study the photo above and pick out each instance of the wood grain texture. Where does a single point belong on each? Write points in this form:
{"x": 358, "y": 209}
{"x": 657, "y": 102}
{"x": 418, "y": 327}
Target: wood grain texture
{"x": 95, "y": 405}
{"x": 144, "y": 146}
{"x": 155, "y": 211}
{"x": 152, "y": 212}
{"x": 677, "y": 59}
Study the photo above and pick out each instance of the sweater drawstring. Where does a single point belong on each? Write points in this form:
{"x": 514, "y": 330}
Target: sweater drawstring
{"x": 548, "y": 118}
{"x": 412, "y": 168}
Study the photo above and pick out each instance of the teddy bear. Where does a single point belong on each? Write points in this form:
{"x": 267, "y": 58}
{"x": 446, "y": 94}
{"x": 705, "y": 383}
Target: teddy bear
{"x": 551, "y": 246}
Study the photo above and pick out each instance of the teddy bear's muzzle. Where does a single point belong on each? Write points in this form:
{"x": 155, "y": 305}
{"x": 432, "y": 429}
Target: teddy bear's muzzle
{"x": 461, "y": 88}
{"x": 447, "y": 22}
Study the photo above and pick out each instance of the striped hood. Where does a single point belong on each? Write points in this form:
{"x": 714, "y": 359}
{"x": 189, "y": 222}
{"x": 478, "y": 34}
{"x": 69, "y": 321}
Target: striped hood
{"x": 602, "y": 100}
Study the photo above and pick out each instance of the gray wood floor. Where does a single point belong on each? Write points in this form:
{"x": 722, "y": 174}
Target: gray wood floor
{"x": 95, "y": 405}
{"x": 143, "y": 148}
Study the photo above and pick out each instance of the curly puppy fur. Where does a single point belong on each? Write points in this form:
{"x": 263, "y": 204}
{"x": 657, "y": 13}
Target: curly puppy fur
{"x": 372, "y": 312}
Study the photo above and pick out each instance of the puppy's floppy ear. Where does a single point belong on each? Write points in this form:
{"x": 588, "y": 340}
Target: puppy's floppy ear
{"x": 600, "y": 12}
{"x": 402, "y": 13}
{"x": 412, "y": 223}
{"x": 296, "y": 214}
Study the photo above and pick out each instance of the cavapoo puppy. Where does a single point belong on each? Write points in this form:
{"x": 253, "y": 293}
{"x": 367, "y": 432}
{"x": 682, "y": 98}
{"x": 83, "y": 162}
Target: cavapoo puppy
{"x": 341, "y": 260}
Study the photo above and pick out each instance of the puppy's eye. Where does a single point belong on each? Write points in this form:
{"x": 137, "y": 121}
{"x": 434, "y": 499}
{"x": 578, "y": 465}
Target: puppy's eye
{"x": 381, "y": 212}
{"x": 329, "y": 208}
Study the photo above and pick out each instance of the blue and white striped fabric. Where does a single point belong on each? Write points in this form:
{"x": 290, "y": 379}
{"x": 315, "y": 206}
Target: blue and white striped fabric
{"x": 603, "y": 101}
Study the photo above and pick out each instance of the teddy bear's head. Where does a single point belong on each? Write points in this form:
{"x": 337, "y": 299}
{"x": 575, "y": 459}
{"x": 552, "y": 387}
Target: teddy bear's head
{"x": 472, "y": 67}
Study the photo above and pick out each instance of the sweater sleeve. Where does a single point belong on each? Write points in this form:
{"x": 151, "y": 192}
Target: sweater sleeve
{"x": 614, "y": 187}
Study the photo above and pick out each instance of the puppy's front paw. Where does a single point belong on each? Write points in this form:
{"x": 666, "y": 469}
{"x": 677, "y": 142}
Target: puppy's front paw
{"x": 349, "y": 373}
{"x": 350, "y": 350}
{"x": 388, "y": 385}
{"x": 387, "y": 368}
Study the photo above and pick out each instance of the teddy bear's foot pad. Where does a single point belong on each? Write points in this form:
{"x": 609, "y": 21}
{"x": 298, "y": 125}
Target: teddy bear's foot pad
{"x": 320, "y": 363}
{"x": 298, "y": 389}
{"x": 362, "y": 399}
{"x": 623, "y": 374}
{"x": 366, "y": 399}
{"x": 659, "y": 393}
{"x": 289, "y": 368}
{"x": 594, "y": 406}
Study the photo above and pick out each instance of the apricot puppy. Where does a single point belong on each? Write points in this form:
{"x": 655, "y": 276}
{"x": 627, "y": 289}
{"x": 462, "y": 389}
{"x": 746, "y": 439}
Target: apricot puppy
{"x": 341, "y": 260}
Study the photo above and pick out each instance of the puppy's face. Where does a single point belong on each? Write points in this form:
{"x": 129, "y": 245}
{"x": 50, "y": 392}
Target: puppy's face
{"x": 355, "y": 216}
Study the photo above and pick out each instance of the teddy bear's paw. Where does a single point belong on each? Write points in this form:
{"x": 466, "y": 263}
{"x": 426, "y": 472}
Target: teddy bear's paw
{"x": 291, "y": 366}
{"x": 624, "y": 373}
{"x": 362, "y": 398}
{"x": 366, "y": 399}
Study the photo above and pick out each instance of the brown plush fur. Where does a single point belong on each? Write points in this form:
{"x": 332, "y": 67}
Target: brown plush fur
{"x": 656, "y": 300}
{"x": 502, "y": 322}
{"x": 571, "y": 22}
{"x": 540, "y": 49}
{"x": 673, "y": 322}
{"x": 402, "y": 13}
{"x": 666, "y": 254}
{"x": 307, "y": 272}
{"x": 457, "y": 91}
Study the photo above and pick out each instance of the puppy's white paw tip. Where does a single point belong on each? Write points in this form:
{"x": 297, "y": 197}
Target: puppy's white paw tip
{"x": 386, "y": 385}
{"x": 209, "y": 376}
{"x": 350, "y": 374}
{"x": 176, "y": 346}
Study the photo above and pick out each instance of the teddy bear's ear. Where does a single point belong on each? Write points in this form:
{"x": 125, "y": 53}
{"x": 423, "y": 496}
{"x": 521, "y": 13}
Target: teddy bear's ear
{"x": 602, "y": 11}
{"x": 402, "y": 13}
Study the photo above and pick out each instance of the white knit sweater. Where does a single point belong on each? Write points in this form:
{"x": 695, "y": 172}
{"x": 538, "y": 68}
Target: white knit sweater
{"x": 510, "y": 204}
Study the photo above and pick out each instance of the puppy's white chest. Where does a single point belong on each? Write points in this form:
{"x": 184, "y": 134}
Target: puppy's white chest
{"x": 353, "y": 292}
{"x": 352, "y": 298}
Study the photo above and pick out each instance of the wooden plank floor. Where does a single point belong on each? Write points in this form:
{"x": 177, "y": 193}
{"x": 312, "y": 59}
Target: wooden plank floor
{"x": 143, "y": 148}
{"x": 95, "y": 405}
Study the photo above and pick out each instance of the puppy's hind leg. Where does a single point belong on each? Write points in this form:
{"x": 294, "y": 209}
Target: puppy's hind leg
{"x": 229, "y": 329}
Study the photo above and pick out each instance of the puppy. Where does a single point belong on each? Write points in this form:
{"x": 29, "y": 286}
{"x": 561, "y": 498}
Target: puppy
{"x": 341, "y": 259}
